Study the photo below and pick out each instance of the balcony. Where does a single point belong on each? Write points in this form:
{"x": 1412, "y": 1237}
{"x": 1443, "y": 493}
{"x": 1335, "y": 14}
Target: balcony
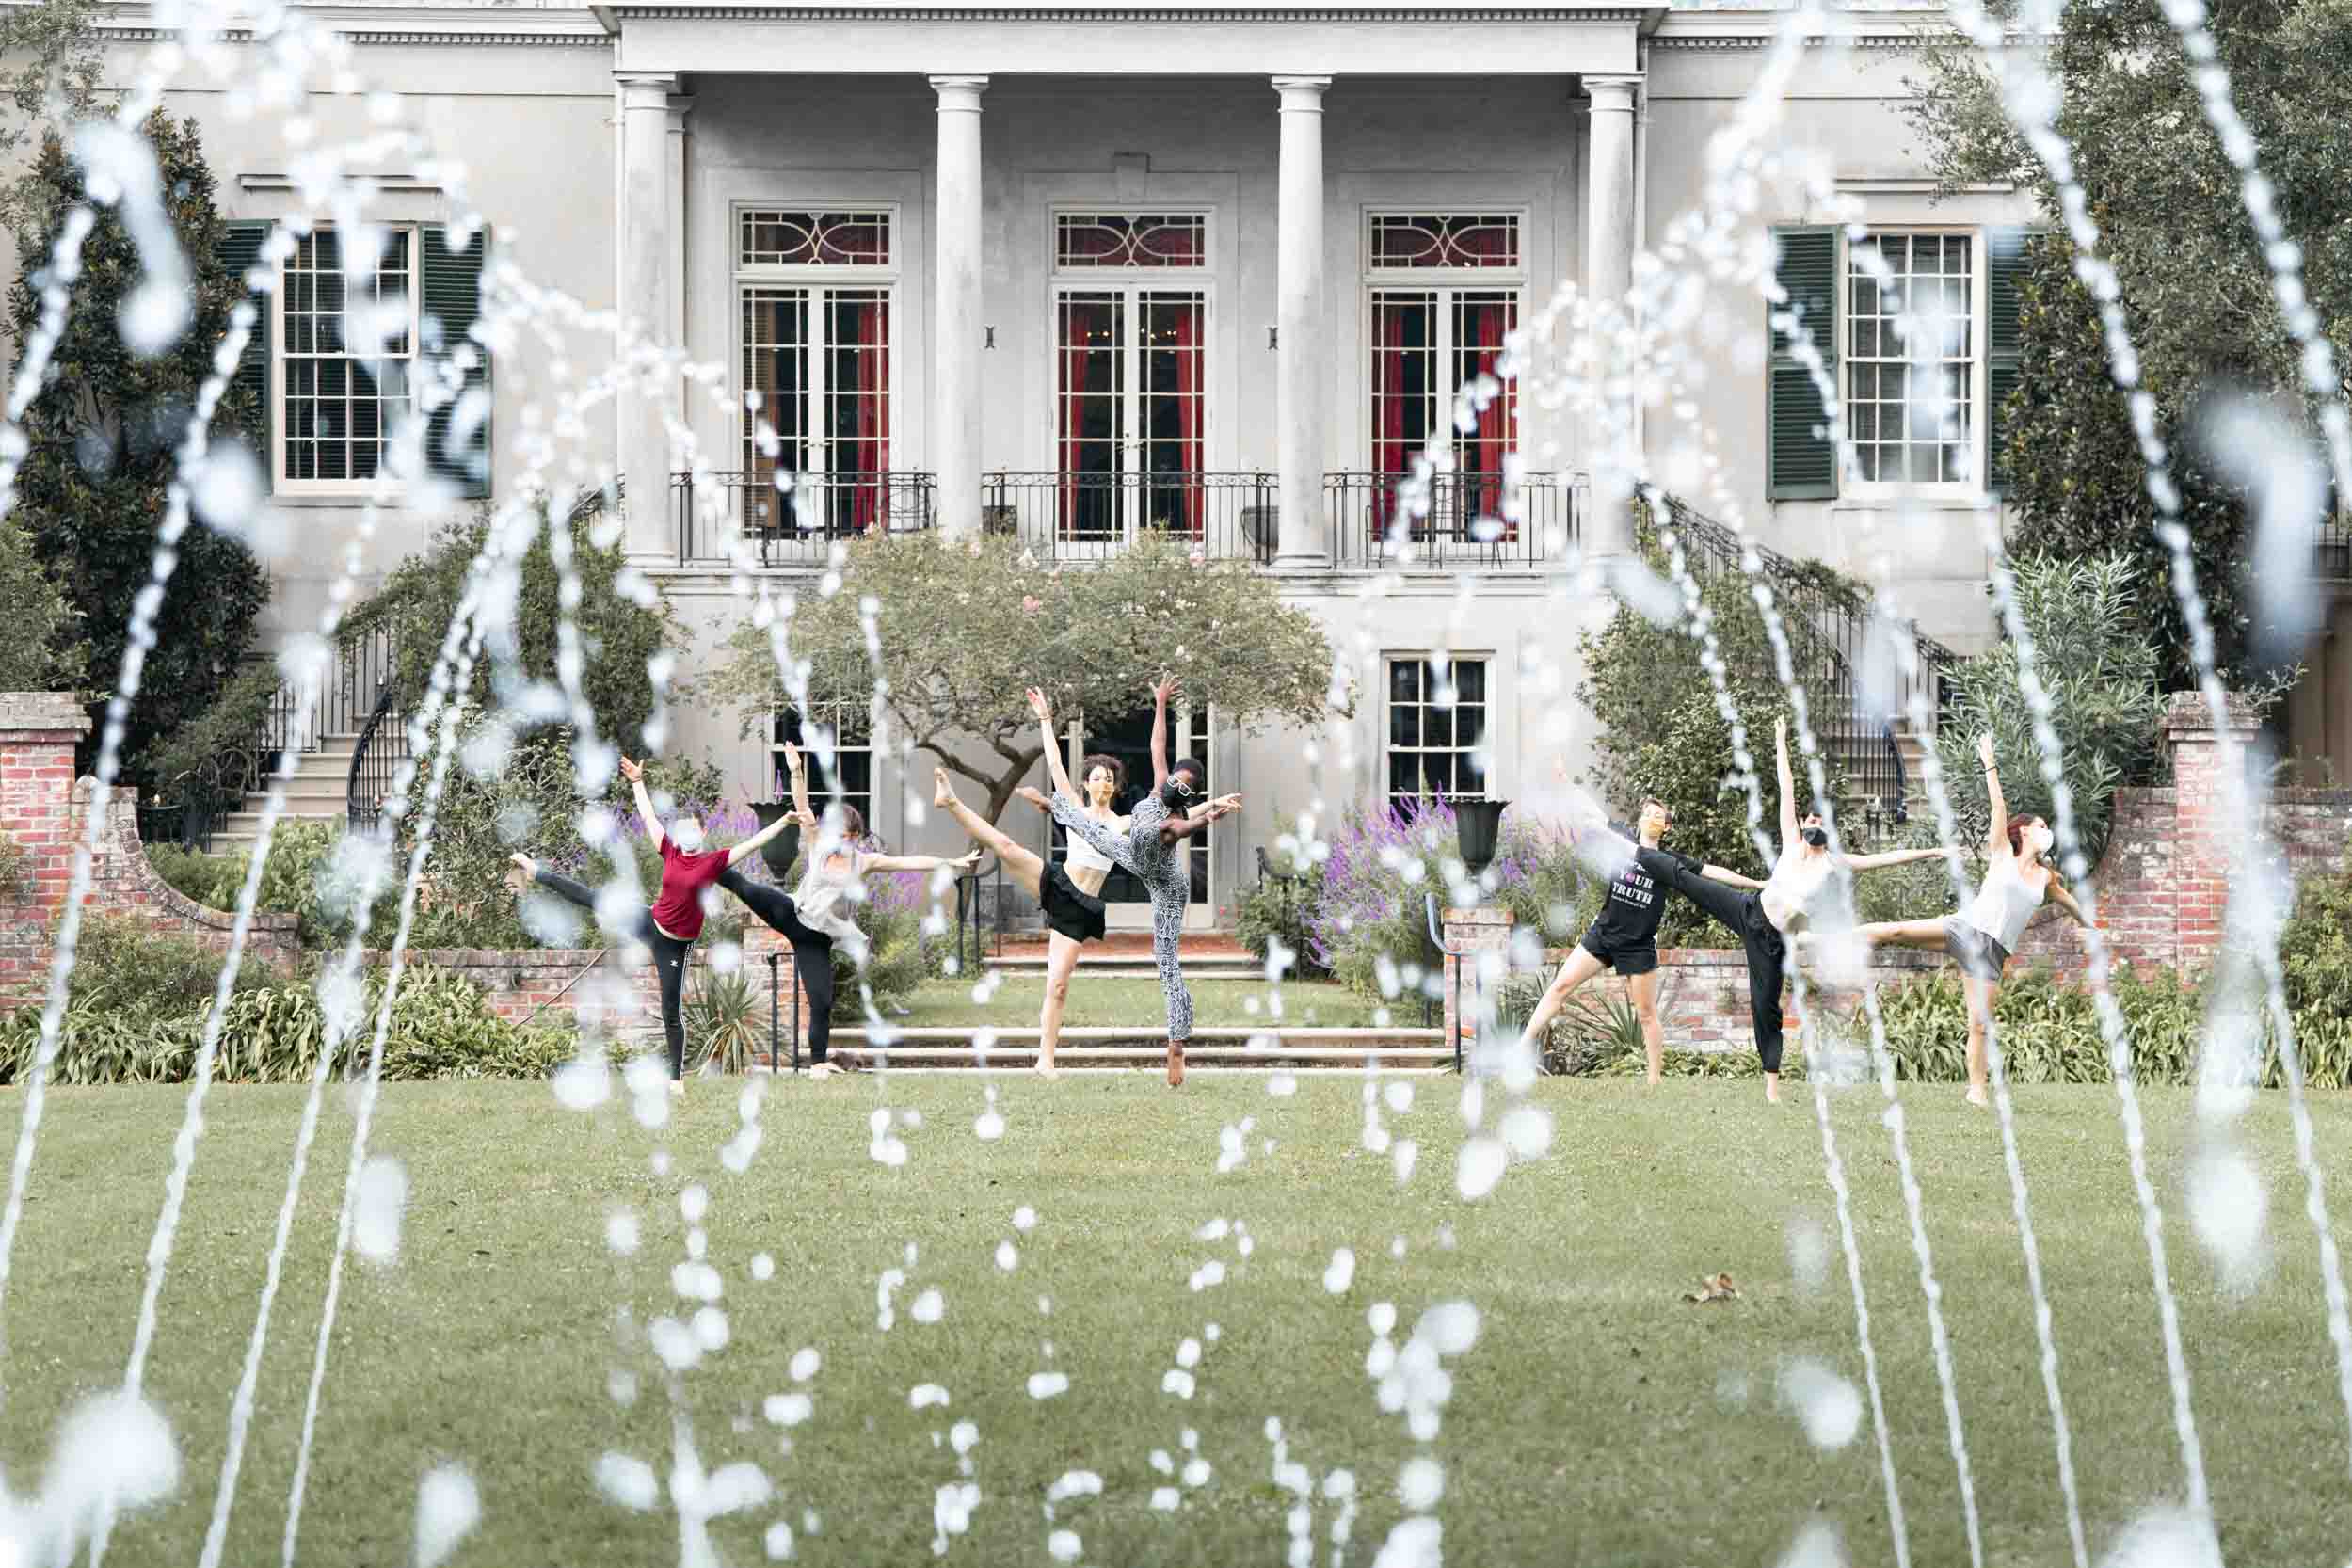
{"x": 793, "y": 520}
{"x": 1469, "y": 521}
{"x": 1089, "y": 517}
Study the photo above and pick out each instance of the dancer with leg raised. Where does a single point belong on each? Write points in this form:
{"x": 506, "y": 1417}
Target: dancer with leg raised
{"x": 1981, "y": 937}
{"x": 1788, "y": 906}
{"x": 671, "y": 927}
{"x": 820, "y": 914}
{"x": 1623, "y": 937}
{"x": 1071, "y": 895}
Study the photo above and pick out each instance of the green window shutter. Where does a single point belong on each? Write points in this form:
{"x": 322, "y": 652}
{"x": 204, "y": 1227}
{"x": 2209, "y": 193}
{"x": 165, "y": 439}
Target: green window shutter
{"x": 239, "y": 252}
{"x": 2006, "y": 261}
{"x": 1801, "y": 460}
{"x": 451, "y": 284}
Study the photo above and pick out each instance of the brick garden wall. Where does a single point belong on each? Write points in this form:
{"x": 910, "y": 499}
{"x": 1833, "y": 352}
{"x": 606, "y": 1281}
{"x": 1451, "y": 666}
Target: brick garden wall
{"x": 44, "y": 812}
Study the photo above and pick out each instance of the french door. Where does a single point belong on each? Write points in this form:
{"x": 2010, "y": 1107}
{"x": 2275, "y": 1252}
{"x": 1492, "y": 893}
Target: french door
{"x": 1428, "y": 345}
{"x": 1130, "y": 410}
{"x": 817, "y": 369}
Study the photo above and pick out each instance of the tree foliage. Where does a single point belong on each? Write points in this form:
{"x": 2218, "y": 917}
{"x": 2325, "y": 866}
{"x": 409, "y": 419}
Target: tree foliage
{"x": 103, "y": 434}
{"x": 39, "y": 650}
{"x": 620, "y": 631}
{"x": 965, "y": 626}
{"x": 2093, "y": 654}
{"x": 59, "y": 57}
{"x": 2196, "y": 284}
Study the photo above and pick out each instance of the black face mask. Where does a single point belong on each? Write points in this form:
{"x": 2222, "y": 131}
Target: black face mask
{"x": 1817, "y": 837}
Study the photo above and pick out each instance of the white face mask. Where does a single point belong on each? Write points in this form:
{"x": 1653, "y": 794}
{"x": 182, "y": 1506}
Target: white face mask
{"x": 687, "y": 836}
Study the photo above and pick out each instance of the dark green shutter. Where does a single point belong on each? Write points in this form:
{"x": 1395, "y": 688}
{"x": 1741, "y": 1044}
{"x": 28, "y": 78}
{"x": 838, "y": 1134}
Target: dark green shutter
{"x": 452, "y": 297}
{"x": 1801, "y": 460}
{"x": 239, "y": 252}
{"x": 2005, "y": 269}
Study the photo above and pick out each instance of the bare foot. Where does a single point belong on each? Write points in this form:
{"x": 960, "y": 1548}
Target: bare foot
{"x": 678, "y": 1089}
{"x": 822, "y": 1069}
{"x": 1772, "y": 1088}
{"x": 1043, "y": 1068}
{"x": 1653, "y": 1080}
{"x": 944, "y": 793}
{"x": 1976, "y": 1095}
{"x": 1175, "y": 1063}
{"x": 523, "y": 863}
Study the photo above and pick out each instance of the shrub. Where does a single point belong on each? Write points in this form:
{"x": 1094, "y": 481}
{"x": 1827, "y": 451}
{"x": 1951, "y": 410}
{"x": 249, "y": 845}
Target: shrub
{"x": 119, "y": 963}
{"x": 12, "y": 859}
{"x": 2316, "y": 946}
{"x": 726, "y": 1021}
{"x": 305, "y": 876}
{"x": 1274, "y": 909}
{"x": 37, "y": 648}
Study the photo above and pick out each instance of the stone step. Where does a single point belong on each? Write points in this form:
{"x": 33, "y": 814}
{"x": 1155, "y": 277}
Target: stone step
{"x": 1219, "y": 965}
{"x": 1098, "y": 1045}
{"x": 1192, "y": 1069}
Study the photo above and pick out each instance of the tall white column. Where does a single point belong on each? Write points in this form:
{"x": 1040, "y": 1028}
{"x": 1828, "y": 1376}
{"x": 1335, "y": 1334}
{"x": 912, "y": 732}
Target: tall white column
{"x": 1609, "y": 279}
{"x": 1302, "y": 368}
{"x": 673, "y": 208}
{"x": 955, "y": 325}
{"x": 648, "y": 249}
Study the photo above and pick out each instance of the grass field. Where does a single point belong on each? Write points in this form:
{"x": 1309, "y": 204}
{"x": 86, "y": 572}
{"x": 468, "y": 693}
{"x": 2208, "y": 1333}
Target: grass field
{"x": 1597, "y": 1419}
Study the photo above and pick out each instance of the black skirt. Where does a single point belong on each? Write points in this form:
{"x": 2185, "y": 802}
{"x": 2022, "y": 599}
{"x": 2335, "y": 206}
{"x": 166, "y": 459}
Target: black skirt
{"x": 1073, "y": 913}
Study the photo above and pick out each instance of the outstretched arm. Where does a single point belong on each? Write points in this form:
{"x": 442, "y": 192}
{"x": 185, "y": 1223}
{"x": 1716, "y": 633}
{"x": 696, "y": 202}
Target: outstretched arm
{"x": 1997, "y": 832}
{"x": 2066, "y": 901}
{"x": 916, "y": 862}
{"x": 634, "y": 773}
{"x": 1891, "y": 858}
{"x": 1788, "y": 785}
{"x": 1184, "y": 827}
{"x": 1058, "y": 774}
{"x": 751, "y": 845}
{"x": 1160, "y": 696}
{"x": 1720, "y": 874}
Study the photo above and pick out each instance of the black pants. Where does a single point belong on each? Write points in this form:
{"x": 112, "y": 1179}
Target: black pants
{"x": 813, "y": 952}
{"x": 1767, "y": 954}
{"x": 669, "y": 962}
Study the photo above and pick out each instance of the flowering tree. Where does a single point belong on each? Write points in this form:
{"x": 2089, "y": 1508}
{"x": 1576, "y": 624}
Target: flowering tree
{"x": 962, "y": 628}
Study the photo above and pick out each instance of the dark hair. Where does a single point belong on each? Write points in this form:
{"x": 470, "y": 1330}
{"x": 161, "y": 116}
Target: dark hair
{"x": 1192, "y": 764}
{"x": 1103, "y": 759}
{"x": 1178, "y": 802}
{"x": 852, "y": 821}
{"x": 2017, "y": 831}
{"x": 1648, "y": 801}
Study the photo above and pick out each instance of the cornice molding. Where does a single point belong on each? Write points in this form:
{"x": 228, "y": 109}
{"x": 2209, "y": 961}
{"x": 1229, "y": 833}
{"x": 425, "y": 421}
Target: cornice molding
{"x": 412, "y": 36}
{"x": 1764, "y": 37}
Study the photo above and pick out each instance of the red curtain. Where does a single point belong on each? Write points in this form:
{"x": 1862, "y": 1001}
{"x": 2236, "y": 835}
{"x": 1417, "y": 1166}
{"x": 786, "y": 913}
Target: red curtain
{"x": 1392, "y": 454}
{"x": 872, "y": 445}
{"x": 1498, "y": 422}
{"x": 1081, "y": 319}
{"x": 1189, "y": 406}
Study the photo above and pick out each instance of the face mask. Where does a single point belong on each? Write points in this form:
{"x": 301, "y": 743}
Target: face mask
{"x": 1817, "y": 837}
{"x": 687, "y": 836}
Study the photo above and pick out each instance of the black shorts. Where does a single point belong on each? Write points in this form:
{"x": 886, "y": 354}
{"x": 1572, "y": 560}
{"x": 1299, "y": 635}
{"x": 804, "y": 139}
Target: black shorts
{"x": 1978, "y": 956}
{"x": 1069, "y": 909}
{"x": 1628, "y": 958}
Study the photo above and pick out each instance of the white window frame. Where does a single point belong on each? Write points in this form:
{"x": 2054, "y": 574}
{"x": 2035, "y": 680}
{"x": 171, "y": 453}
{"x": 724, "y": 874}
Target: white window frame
{"x": 1129, "y": 282}
{"x": 817, "y": 277}
{"x": 383, "y": 481}
{"x": 1201, "y": 913}
{"x": 1851, "y": 486}
{"x": 829, "y": 715}
{"x": 1446, "y": 282}
{"x": 1481, "y": 747}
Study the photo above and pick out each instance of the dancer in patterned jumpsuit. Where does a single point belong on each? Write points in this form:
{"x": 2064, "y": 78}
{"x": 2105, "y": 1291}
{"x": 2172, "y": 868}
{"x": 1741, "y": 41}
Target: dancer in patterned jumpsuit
{"x": 1152, "y": 849}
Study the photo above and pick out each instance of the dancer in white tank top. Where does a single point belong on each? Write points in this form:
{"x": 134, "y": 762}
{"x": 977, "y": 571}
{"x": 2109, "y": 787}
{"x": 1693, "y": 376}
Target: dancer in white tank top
{"x": 1981, "y": 937}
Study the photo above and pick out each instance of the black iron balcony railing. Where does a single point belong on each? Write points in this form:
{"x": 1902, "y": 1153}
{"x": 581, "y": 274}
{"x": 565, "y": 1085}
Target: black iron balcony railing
{"x": 793, "y": 519}
{"x": 1459, "y": 519}
{"x": 1082, "y": 516}
{"x": 2335, "y": 545}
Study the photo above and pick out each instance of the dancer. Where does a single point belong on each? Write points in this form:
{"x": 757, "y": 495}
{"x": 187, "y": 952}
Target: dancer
{"x": 1981, "y": 937}
{"x": 1783, "y": 908}
{"x": 1152, "y": 849}
{"x": 1071, "y": 895}
{"x": 671, "y": 927}
{"x": 819, "y": 915}
{"x": 1623, "y": 937}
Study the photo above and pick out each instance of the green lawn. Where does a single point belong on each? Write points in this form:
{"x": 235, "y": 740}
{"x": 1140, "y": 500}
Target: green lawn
{"x": 1135, "y": 1001}
{"x": 1596, "y": 1420}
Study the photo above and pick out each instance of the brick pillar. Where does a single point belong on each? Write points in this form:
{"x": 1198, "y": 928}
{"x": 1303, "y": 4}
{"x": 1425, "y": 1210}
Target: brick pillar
{"x": 2203, "y": 831}
{"x": 38, "y": 731}
{"x": 1468, "y": 981}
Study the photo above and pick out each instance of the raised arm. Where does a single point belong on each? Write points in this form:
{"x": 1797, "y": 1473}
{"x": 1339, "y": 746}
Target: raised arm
{"x": 1997, "y": 831}
{"x": 1891, "y": 858}
{"x": 1788, "y": 785}
{"x": 1167, "y": 688}
{"x": 1055, "y": 771}
{"x": 796, "y": 763}
{"x": 634, "y": 773}
{"x": 751, "y": 845}
{"x": 1185, "y": 827}
{"x": 916, "y": 862}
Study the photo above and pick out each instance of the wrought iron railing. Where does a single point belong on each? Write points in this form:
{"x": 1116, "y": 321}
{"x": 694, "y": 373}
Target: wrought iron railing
{"x": 2335, "y": 545}
{"x": 1454, "y": 520}
{"x": 1859, "y": 693}
{"x": 793, "y": 519}
{"x": 1084, "y": 516}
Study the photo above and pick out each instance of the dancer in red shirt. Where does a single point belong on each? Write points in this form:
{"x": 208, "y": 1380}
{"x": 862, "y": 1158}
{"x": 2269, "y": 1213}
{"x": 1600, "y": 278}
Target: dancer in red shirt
{"x": 671, "y": 927}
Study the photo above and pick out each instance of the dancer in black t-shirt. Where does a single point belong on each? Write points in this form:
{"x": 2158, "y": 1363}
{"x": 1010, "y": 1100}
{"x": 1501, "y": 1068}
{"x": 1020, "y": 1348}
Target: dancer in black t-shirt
{"x": 1625, "y": 935}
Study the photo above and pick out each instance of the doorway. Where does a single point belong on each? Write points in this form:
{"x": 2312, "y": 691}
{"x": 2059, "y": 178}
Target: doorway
{"x": 1128, "y": 738}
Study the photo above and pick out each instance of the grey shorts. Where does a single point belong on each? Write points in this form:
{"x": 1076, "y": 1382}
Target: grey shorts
{"x": 1977, "y": 954}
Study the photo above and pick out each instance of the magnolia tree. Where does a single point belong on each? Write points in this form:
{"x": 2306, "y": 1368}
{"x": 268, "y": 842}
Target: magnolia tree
{"x": 962, "y": 628}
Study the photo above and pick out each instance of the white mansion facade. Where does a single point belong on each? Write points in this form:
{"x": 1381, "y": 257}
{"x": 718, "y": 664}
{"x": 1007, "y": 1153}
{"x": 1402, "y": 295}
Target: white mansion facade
{"x": 1078, "y": 268}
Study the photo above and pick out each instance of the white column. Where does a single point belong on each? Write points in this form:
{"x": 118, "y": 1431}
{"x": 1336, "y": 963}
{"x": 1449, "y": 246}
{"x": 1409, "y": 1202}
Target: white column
{"x": 1302, "y": 368}
{"x": 956, "y": 327}
{"x": 648, "y": 249}
{"x": 674, "y": 324}
{"x": 1609, "y": 275}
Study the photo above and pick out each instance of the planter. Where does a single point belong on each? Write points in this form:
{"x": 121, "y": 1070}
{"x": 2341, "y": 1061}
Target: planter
{"x": 1479, "y": 821}
{"x": 781, "y": 851}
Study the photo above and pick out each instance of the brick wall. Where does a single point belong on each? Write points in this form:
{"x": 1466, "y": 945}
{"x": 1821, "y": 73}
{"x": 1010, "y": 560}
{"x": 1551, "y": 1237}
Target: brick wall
{"x": 44, "y": 812}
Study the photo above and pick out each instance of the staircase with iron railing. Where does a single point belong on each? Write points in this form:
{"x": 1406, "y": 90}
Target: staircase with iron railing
{"x": 1842, "y": 660}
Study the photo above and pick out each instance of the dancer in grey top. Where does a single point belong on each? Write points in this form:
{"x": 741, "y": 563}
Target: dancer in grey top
{"x": 1151, "y": 848}
{"x": 1981, "y": 937}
